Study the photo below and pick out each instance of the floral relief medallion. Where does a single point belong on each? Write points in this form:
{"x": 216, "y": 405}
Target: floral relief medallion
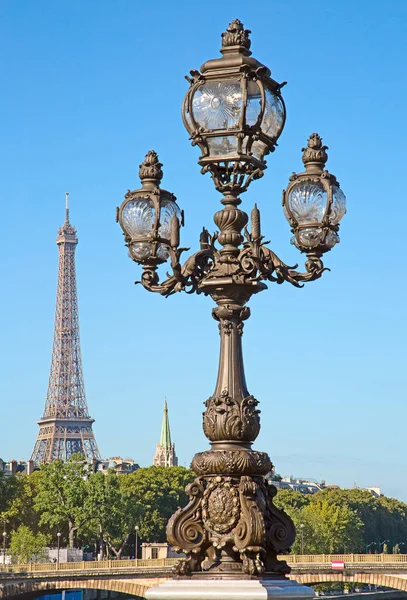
{"x": 220, "y": 506}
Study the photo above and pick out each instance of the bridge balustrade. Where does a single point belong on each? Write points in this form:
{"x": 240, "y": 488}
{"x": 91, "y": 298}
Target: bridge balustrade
{"x": 292, "y": 559}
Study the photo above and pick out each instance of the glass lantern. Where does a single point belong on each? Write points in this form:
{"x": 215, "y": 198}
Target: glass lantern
{"x": 314, "y": 203}
{"x": 234, "y": 110}
{"x": 150, "y": 217}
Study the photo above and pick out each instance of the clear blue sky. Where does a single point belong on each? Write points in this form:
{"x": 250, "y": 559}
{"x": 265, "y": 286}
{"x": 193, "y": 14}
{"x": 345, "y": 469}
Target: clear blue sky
{"x": 87, "y": 88}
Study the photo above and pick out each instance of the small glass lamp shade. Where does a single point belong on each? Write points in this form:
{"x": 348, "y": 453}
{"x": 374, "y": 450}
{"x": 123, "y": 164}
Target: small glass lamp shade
{"x": 150, "y": 217}
{"x": 314, "y": 204}
{"x": 234, "y": 110}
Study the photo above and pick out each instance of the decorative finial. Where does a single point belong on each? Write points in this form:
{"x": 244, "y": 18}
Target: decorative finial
{"x": 314, "y": 155}
{"x": 236, "y": 35}
{"x": 150, "y": 168}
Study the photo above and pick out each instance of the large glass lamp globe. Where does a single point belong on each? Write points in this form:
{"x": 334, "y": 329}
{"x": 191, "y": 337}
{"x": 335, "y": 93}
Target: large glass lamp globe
{"x": 314, "y": 204}
{"x": 139, "y": 218}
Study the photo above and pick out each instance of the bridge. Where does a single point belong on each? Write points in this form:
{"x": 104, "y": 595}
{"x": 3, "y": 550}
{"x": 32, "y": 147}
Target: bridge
{"x": 135, "y": 577}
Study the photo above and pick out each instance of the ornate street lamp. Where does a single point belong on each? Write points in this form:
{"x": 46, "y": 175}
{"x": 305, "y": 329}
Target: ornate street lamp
{"x": 235, "y": 113}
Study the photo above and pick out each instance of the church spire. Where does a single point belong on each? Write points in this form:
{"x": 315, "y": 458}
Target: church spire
{"x": 165, "y": 451}
{"x": 165, "y": 439}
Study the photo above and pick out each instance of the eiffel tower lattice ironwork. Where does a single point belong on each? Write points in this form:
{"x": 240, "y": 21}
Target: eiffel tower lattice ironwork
{"x": 66, "y": 427}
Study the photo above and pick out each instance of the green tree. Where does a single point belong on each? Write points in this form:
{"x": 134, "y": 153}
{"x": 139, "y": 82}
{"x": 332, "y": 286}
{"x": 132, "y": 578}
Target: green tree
{"x": 112, "y": 511}
{"x": 331, "y": 528}
{"x": 25, "y": 545}
{"x": 158, "y": 492}
{"x": 8, "y": 491}
{"x": 61, "y": 496}
{"x": 20, "y": 509}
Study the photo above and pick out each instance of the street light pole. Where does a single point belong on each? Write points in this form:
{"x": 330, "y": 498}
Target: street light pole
{"x": 4, "y": 546}
{"x": 234, "y": 112}
{"x": 136, "y": 544}
{"x": 5, "y": 521}
{"x": 302, "y": 538}
{"x": 368, "y": 546}
{"x": 59, "y": 537}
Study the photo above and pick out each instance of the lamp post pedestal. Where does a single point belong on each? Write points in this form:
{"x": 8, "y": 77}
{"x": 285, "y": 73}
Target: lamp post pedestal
{"x": 229, "y": 589}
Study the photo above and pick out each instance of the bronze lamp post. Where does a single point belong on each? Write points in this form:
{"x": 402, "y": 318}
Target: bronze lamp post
{"x": 235, "y": 113}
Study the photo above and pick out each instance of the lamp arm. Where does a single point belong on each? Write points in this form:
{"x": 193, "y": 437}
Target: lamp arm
{"x": 257, "y": 260}
{"x": 184, "y": 277}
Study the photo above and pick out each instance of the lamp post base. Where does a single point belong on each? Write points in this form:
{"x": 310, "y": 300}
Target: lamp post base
{"x": 230, "y": 589}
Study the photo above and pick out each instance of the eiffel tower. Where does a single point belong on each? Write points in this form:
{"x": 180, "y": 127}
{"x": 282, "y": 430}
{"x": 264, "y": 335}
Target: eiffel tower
{"x": 66, "y": 427}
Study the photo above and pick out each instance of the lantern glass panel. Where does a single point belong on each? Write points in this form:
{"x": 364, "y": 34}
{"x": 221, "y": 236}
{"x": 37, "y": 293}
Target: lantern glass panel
{"x": 307, "y": 202}
{"x": 309, "y": 237}
{"x": 138, "y": 217}
{"x": 187, "y": 115}
{"x": 273, "y": 118}
{"x": 338, "y": 208}
{"x": 168, "y": 209}
{"x": 218, "y": 105}
{"x": 222, "y": 145}
{"x": 140, "y": 251}
{"x": 253, "y": 107}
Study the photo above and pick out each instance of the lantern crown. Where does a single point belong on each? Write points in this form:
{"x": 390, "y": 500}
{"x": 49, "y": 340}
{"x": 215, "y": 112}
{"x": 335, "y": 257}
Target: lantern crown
{"x": 236, "y": 35}
{"x": 150, "y": 169}
{"x": 314, "y": 155}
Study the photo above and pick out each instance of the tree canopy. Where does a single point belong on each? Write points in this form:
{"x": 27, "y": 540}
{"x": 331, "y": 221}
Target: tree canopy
{"x": 102, "y": 510}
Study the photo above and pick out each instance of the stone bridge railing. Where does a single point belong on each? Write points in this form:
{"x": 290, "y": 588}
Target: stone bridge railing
{"x": 297, "y": 561}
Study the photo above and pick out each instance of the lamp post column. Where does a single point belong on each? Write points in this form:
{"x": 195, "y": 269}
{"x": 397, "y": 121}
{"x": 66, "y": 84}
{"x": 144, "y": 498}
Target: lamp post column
{"x": 4, "y": 546}
{"x": 136, "y": 529}
{"x": 58, "y": 537}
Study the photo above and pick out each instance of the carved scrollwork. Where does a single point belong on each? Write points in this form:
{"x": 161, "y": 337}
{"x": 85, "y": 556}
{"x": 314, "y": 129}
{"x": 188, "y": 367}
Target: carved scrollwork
{"x": 258, "y": 262}
{"x": 231, "y": 462}
{"x": 185, "y": 278}
{"x": 184, "y": 529}
{"x": 279, "y": 526}
{"x": 228, "y": 419}
{"x": 230, "y": 515}
{"x": 250, "y": 534}
{"x": 232, "y": 176}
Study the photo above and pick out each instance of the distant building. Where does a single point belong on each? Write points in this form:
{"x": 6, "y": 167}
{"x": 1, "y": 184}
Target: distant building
{"x": 165, "y": 451}
{"x": 122, "y": 466}
{"x": 12, "y": 467}
{"x": 304, "y": 486}
{"x": 310, "y": 486}
{"x": 158, "y": 550}
{"x": 374, "y": 490}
